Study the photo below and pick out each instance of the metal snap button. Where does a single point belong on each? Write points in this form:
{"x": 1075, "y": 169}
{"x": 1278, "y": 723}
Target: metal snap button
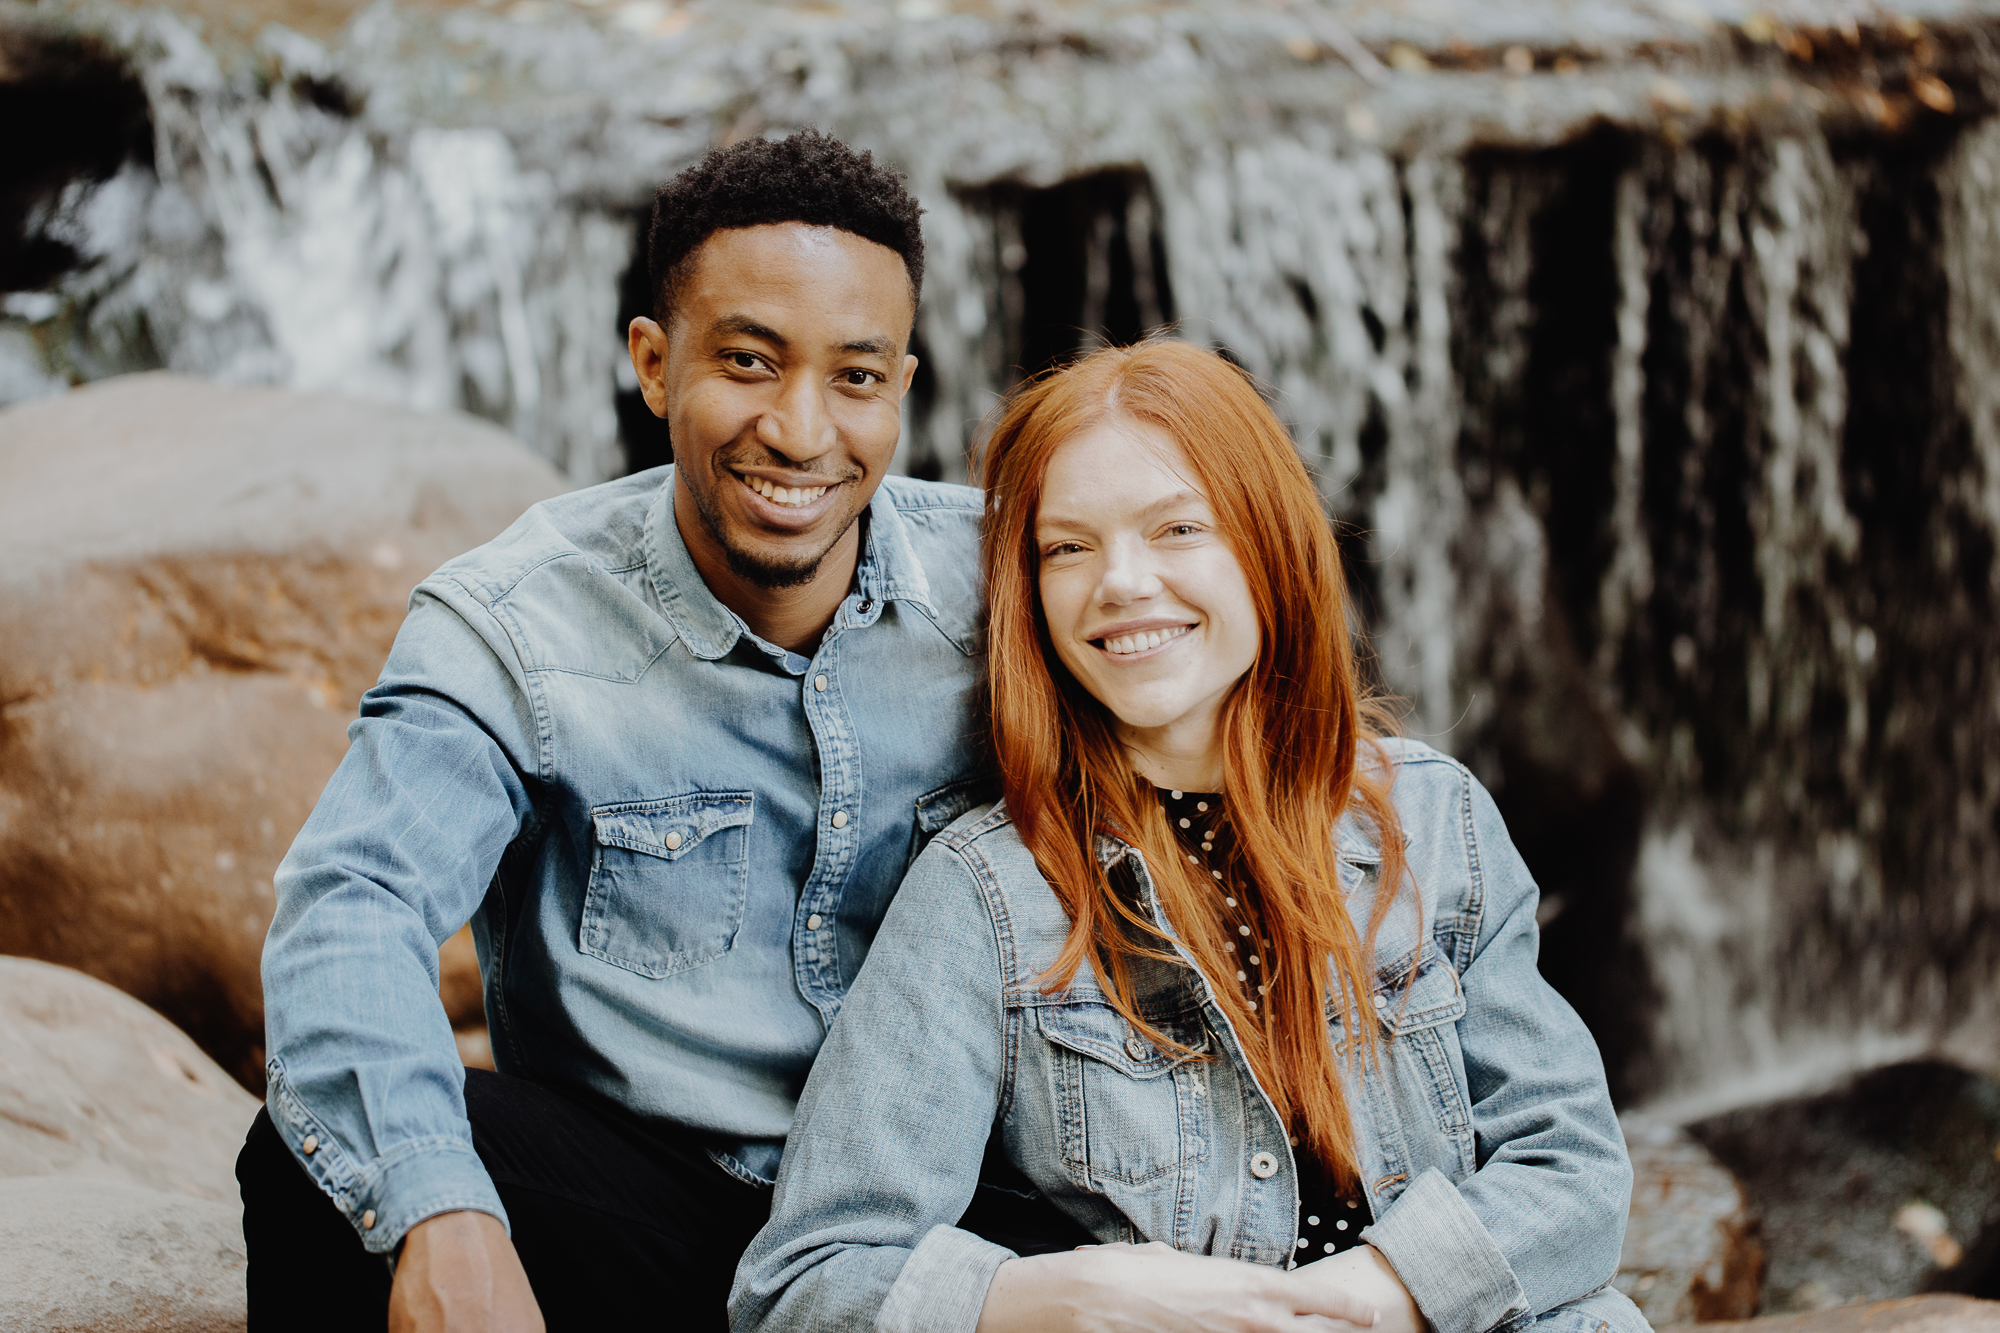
{"x": 840, "y": 819}
{"x": 1263, "y": 1166}
{"x": 814, "y": 922}
{"x": 1134, "y": 1047}
{"x": 1381, "y": 1002}
{"x": 674, "y": 841}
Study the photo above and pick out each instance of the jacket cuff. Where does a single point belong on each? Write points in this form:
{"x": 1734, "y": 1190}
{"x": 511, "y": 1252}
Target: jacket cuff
{"x": 382, "y": 1200}
{"x": 943, "y": 1284}
{"x": 1442, "y": 1252}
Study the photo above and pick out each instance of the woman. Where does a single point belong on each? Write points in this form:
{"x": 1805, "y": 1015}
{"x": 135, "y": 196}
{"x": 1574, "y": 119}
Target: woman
{"x": 1223, "y": 971}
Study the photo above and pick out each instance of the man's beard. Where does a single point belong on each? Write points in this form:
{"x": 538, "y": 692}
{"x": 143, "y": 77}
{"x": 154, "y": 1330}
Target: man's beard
{"x": 767, "y": 574}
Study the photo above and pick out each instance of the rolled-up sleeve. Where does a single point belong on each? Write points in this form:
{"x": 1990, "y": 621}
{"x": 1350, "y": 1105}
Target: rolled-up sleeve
{"x": 366, "y": 1085}
{"x": 1541, "y": 1222}
{"x": 884, "y": 1154}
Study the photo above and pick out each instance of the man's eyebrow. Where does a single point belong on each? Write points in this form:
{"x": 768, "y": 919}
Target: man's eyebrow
{"x": 742, "y": 326}
{"x": 875, "y": 346}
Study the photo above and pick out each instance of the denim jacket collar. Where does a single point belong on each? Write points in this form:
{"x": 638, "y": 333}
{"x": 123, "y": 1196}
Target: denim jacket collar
{"x": 1357, "y": 845}
{"x": 887, "y": 571}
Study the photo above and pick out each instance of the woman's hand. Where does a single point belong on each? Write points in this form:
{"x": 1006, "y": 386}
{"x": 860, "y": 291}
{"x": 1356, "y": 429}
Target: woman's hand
{"x": 1362, "y": 1273}
{"x": 1155, "y": 1288}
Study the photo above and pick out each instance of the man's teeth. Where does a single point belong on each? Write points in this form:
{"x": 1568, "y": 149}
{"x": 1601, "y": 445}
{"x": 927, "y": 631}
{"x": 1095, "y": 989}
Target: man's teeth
{"x": 785, "y": 495}
{"x": 1139, "y": 643}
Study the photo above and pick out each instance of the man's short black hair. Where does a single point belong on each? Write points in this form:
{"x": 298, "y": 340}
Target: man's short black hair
{"x": 806, "y": 177}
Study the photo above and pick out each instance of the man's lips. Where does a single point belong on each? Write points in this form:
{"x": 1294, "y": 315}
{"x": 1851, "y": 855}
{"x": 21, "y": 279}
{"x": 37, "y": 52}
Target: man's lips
{"x": 779, "y": 506}
{"x": 1133, "y": 642}
{"x": 789, "y": 497}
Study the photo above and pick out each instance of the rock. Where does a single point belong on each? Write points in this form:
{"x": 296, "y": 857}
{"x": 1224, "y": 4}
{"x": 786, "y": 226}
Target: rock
{"x": 1693, "y": 1249}
{"x": 1912, "y": 1314}
{"x": 196, "y": 585}
{"x": 100, "y": 1256}
{"x": 95, "y": 1084}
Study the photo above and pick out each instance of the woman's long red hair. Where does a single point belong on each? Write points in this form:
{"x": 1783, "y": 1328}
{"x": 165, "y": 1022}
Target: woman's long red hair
{"x": 1292, "y": 730}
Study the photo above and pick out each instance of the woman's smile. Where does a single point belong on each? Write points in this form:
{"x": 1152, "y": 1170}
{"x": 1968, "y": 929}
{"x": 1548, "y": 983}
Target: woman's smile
{"x": 1130, "y": 644}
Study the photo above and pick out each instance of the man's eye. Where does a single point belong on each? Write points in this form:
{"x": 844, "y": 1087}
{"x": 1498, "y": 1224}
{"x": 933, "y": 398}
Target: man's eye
{"x": 743, "y": 360}
{"x": 859, "y": 379}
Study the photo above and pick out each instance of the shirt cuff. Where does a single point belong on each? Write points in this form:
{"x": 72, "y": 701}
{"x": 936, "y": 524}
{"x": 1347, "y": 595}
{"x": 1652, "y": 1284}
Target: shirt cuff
{"x": 942, "y": 1288}
{"x": 382, "y": 1200}
{"x": 1442, "y": 1252}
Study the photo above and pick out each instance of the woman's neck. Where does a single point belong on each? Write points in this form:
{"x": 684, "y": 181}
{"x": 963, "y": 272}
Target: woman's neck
{"x": 1178, "y": 757}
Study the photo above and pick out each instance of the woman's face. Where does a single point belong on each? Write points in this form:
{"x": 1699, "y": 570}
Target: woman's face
{"x": 1146, "y": 604}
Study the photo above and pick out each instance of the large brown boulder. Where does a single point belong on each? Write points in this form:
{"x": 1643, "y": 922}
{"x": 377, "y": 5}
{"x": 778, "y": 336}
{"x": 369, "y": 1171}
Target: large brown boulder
{"x": 1911, "y": 1314}
{"x": 118, "y": 1139}
{"x": 196, "y": 585}
{"x": 1693, "y": 1248}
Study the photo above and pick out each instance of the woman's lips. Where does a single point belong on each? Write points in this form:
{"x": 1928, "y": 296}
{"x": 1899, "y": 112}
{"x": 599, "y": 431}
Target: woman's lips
{"x": 1142, "y": 641}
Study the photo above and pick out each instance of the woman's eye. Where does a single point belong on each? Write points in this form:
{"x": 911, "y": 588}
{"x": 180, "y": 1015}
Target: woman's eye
{"x": 1060, "y": 548}
{"x": 1184, "y": 529}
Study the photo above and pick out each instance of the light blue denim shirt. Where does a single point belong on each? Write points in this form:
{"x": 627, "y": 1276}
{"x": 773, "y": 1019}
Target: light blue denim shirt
{"x": 675, "y": 841}
{"x": 1490, "y": 1155}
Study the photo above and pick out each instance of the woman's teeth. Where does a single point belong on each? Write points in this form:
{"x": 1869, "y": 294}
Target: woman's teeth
{"x": 1139, "y": 643}
{"x": 785, "y": 495}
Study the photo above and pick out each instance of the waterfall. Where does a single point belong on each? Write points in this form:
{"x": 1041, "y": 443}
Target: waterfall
{"x": 1651, "y": 369}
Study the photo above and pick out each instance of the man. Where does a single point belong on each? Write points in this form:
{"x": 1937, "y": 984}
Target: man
{"x": 669, "y": 743}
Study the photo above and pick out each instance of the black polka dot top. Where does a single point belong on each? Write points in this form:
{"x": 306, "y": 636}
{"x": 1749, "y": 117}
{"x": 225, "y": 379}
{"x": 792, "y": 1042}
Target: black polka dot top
{"x": 1328, "y": 1223}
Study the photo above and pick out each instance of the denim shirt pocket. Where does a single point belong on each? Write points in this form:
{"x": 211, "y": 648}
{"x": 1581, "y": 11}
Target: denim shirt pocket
{"x": 937, "y": 809}
{"x": 1127, "y": 1111}
{"x": 668, "y": 881}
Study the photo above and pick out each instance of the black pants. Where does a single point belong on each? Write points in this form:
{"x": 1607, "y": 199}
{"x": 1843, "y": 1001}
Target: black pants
{"x": 619, "y": 1224}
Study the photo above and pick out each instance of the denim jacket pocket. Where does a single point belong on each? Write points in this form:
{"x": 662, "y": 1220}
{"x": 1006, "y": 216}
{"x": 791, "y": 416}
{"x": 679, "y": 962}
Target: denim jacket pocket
{"x": 1420, "y": 1016}
{"x": 1127, "y": 1111}
{"x": 668, "y": 882}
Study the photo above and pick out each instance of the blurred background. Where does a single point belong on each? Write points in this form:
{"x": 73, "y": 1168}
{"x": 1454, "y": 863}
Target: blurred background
{"x": 1647, "y": 355}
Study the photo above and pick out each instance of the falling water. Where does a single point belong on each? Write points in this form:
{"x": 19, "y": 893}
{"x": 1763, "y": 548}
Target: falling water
{"x": 1652, "y": 366}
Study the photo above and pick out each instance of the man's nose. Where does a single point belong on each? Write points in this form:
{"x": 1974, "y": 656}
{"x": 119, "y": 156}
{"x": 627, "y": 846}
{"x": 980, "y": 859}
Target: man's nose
{"x": 796, "y": 423}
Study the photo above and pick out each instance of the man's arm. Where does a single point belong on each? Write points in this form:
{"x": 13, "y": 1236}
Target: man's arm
{"x": 365, "y": 1082}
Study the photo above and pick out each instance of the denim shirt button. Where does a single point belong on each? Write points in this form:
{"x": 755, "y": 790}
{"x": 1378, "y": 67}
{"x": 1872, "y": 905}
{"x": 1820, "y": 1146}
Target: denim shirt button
{"x": 673, "y": 841}
{"x": 1381, "y": 1002}
{"x": 1263, "y": 1166}
{"x": 814, "y": 922}
{"x": 840, "y": 819}
{"x": 311, "y": 1145}
{"x": 819, "y": 683}
{"x": 368, "y": 1220}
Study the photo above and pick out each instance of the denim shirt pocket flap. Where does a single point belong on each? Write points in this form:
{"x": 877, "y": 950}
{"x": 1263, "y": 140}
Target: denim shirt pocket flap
{"x": 671, "y": 828}
{"x": 1099, "y": 1032}
{"x": 937, "y": 809}
{"x": 1432, "y": 998}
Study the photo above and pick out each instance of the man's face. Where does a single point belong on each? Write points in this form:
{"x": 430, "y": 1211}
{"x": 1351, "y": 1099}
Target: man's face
{"x": 781, "y": 376}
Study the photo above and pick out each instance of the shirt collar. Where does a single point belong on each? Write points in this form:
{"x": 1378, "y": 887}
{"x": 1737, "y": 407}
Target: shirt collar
{"x": 887, "y": 571}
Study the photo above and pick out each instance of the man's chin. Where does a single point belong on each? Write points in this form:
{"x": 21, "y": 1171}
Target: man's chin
{"x": 768, "y": 574}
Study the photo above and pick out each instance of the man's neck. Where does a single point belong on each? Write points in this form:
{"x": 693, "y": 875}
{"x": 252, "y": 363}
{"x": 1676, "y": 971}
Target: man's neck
{"x": 792, "y": 618}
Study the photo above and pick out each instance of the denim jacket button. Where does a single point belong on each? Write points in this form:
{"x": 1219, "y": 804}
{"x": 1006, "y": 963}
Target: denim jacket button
{"x": 368, "y": 1220}
{"x": 1263, "y": 1166}
{"x": 1134, "y": 1047}
{"x": 673, "y": 842}
{"x": 1381, "y": 1002}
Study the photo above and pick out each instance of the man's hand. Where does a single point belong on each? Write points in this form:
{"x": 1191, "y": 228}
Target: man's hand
{"x": 1155, "y": 1288}
{"x": 1364, "y": 1274}
{"x": 459, "y": 1274}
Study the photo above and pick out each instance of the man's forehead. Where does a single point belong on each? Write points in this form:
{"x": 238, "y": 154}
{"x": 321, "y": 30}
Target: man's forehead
{"x": 799, "y": 281}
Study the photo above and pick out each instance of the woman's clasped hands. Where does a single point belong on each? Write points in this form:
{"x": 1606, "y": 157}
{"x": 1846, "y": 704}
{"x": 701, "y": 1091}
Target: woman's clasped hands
{"x": 1154, "y": 1288}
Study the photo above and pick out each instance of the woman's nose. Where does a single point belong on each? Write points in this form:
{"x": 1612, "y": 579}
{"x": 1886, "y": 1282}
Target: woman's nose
{"x": 1128, "y": 575}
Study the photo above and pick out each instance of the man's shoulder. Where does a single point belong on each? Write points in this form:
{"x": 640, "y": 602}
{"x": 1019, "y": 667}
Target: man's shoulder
{"x": 599, "y": 530}
{"x": 940, "y": 523}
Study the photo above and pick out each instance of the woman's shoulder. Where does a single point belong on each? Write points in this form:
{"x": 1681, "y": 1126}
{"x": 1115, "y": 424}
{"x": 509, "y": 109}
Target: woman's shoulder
{"x": 984, "y": 849}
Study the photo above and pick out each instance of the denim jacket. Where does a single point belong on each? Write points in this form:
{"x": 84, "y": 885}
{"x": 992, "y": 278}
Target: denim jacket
{"x": 1491, "y": 1158}
{"x": 674, "y": 841}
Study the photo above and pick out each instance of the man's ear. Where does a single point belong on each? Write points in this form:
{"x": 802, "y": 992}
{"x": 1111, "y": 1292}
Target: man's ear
{"x": 647, "y": 342}
{"x": 909, "y": 372}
